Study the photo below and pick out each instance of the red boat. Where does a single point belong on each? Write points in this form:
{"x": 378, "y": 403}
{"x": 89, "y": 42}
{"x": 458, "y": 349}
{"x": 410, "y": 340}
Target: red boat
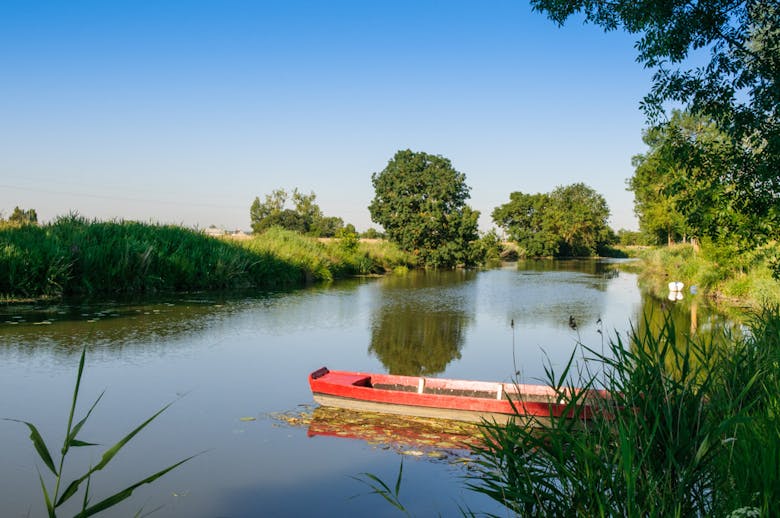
{"x": 440, "y": 398}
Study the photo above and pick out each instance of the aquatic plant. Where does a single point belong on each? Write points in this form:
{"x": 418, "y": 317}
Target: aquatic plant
{"x": 381, "y": 488}
{"x": 689, "y": 429}
{"x": 75, "y": 257}
{"x": 56, "y": 496}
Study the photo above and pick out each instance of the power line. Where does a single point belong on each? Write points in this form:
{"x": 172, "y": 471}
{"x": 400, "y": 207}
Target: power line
{"x": 118, "y": 198}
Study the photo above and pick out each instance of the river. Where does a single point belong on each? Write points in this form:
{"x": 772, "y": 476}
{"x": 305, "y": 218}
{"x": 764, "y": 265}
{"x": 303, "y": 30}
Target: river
{"x": 232, "y": 363}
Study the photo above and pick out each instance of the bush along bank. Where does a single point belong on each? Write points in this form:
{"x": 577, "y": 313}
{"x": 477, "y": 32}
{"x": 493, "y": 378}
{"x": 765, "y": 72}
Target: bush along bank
{"x": 75, "y": 256}
{"x": 748, "y": 279}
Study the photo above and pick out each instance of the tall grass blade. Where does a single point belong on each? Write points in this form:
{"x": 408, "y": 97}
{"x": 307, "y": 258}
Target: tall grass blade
{"x": 111, "y": 452}
{"x": 72, "y": 441}
{"x": 66, "y": 443}
{"x": 127, "y": 492}
{"x": 107, "y": 456}
{"x": 379, "y": 487}
{"x": 39, "y": 444}
{"x": 46, "y": 498}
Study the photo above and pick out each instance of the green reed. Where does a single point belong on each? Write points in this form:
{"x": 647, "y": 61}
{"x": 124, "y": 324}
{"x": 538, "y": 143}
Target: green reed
{"x": 57, "y": 495}
{"x": 689, "y": 429}
{"x": 74, "y": 256}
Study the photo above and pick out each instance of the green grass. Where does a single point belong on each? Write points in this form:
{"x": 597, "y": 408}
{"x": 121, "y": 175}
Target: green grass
{"x": 58, "y": 494}
{"x": 691, "y": 428}
{"x": 745, "y": 279}
{"x": 74, "y": 256}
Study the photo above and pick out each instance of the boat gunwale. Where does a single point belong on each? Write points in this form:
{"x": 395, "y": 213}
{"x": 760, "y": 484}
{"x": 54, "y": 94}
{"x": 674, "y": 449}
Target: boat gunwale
{"x": 516, "y": 399}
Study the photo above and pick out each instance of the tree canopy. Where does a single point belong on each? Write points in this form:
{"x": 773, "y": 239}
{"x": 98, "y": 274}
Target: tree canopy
{"x": 420, "y": 200}
{"x": 569, "y": 221}
{"x": 306, "y": 217}
{"x": 737, "y": 90}
{"x": 23, "y": 216}
{"x": 692, "y": 194}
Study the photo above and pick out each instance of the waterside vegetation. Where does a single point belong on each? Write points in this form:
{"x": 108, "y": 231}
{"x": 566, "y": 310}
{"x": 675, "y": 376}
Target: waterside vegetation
{"x": 747, "y": 279}
{"x": 73, "y": 256}
{"x": 59, "y": 495}
{"x": 691, "y": 428}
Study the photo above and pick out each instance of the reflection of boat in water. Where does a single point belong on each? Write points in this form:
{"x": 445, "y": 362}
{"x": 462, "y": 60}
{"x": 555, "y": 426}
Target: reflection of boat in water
{"x": 440, "y": 398}
{"x": 394, "y": 430}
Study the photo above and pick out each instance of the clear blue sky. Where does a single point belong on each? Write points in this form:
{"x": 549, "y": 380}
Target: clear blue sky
{"x": 184, "y": 111}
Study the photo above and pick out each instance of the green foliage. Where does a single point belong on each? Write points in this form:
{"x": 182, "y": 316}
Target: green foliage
{"x": 420, "y": 200}
{"x": 569, "y": 221}
{"x": 687, "y": 429}
{"x": 526, "y": 222}
{"x": 687, "y": 184}
{"x": 73, "y": 256}
{"x": 488, "y": 249}
{"x": 348, "y": 239}
{"x": 738, "y": 91}
{"x": 53, "y": 498}
{"x": 372, "y": 233}
{"x": 718, "y": 271}
{"x": 23, "y": 217}
{"x": 630, "y": 238}
{"x": 380, "y": 487}
{"x": 306, "y": 217}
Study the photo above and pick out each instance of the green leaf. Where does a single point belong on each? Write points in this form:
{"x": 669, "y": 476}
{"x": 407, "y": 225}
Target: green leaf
{"x": 76, "y": 429}
{"x": 76, "y": 443}
{"x": 68, "y": 437}
{"x": 125, "y": 493}
{"x": 107, "y": 456}
{"x": 40, "y": 445}
{"x": 111, "y": 452}
{"x": 46, "y": 498}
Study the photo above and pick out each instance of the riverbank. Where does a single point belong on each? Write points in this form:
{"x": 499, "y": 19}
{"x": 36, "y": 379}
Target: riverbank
{"x": 76, "y": 257}
{"x": 744, "y": 281}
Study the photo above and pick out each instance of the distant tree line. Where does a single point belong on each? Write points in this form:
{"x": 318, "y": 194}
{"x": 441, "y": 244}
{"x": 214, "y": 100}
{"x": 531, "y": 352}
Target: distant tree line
{"x": 569, "y": 221}
{"x": 21, "y": 217}
{"x": 305, "y": 216}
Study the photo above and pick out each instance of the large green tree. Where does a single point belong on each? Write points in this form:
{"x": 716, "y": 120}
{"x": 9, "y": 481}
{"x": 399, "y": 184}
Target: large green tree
{"x": 738, "y": 89}
{"x": 569, "y": 221}
{"x": 525, "y": 220}
{"x": 687, "y": 179}
{"x": 420, "y": 200}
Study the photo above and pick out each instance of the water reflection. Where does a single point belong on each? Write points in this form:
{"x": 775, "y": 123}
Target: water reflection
{"x": 552, "y": 292}
{"x": 127, "y": 324}
{"x": 248, "y": 354}
{"x": 419, "y": 322}
{"x": 689, "y": 316}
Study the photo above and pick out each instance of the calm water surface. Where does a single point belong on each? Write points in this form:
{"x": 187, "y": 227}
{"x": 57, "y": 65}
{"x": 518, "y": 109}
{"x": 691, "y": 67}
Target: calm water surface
{"x": 225, "y": 359}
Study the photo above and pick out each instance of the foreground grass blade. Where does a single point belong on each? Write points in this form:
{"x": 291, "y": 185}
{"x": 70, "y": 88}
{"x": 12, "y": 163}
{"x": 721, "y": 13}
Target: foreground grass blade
{"x": 379, "y": 487}
{"x": 107, "y": 456}
{"x": 72, "y": 441}
{"x": 39, "y": 444}
{"x": 125, "y": 493}
{"x": 53, "y": 499}
{"x": 46, "y": 498}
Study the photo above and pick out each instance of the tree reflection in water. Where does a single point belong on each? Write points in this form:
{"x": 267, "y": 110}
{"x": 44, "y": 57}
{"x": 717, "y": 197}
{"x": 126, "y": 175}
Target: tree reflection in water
{"x": 418, "y": 328}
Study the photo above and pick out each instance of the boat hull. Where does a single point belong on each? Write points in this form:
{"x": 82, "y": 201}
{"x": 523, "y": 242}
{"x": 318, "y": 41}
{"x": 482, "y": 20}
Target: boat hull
{"x": 451, "y": 414}
{"x": 460, "y": 400}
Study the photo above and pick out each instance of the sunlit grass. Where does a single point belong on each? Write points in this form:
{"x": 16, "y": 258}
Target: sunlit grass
{"x": 746, "y": 279}
{"x": 74, "y": 256}
{"x": 690, "y": 429}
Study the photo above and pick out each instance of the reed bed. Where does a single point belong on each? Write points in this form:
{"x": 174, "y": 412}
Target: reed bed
{"x": 691, "y": 428}
{"x": 74, "y": 256}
